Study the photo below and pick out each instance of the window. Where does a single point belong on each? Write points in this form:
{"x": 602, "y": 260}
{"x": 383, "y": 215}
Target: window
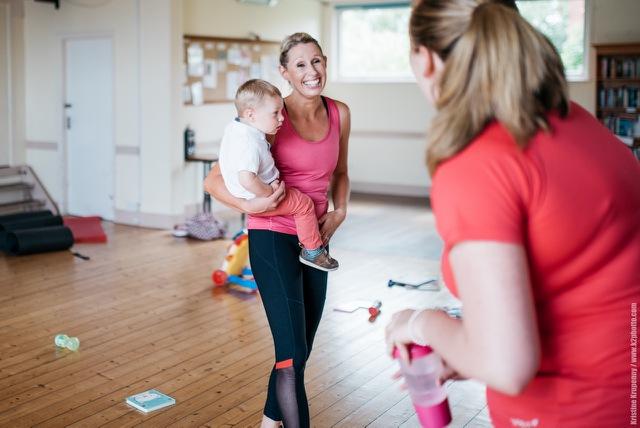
{"x": 373, "y": 39}
{"x": 563, "y": 22}
{"x": 373, "y": 42}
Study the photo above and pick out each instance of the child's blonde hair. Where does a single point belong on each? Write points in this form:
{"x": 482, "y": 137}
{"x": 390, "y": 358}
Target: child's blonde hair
{"x": 496, "y": 66}
{"x": 251, "y": 93}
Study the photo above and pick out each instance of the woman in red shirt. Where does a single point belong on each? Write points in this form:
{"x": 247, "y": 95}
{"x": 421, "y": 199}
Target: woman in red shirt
{"x": 538, "y": 205}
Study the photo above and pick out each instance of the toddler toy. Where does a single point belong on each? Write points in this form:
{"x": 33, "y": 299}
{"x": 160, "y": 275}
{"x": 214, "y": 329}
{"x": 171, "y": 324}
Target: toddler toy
{"x": 235, "y": 271}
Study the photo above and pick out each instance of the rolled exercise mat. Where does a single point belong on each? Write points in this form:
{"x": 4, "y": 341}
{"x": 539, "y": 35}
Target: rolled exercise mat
{"x": 27, "y": 223}
{"x": 30, "y": 223}
{"x": 40, "y": 240}
{"x": 21, "y": 216}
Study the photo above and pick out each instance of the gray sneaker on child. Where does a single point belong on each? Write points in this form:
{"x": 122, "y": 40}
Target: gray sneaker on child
{"x": 322, "y": 261}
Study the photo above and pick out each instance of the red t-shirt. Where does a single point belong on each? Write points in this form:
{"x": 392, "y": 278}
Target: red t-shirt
{"x": 572, "y": 199}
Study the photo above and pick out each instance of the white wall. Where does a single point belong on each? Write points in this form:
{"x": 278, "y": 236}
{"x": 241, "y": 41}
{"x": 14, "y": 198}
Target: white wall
{"x": 228, "y": 18}
{"x": 387, "y": 144}
{"x": 5, "y": 123}
{"x": 615, "y": 21}
{"x": 45, "y": 31}
{"x": 12, "y": 82}
{"x": 232, "y": 19}
{"x": 143, "y": 34}
{"x": 388, "y": 124}
{"x": 153, "y": 185}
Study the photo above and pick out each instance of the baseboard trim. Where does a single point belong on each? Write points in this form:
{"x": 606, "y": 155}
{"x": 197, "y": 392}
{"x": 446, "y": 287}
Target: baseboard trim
{"x": 167, "y": 221}
{"x": 149, "y": 220}
{"x": 159, "y": 221}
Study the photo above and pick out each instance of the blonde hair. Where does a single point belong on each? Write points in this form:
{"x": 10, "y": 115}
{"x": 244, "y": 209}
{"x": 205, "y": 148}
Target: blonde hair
{"x": 251, "y": 93}
{"x": 496, "y": 66}
{"x": 293, "y": 40}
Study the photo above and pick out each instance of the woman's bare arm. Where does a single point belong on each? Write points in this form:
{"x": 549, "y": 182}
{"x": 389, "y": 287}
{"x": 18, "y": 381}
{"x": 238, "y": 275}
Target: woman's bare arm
{"x": 340, "y": 187}
{"x": 497, "y": 340}
{"x": 214, "y": 185}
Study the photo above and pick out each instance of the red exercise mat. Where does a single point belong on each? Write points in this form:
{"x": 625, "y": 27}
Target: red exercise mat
{"x": 86, "y": 229}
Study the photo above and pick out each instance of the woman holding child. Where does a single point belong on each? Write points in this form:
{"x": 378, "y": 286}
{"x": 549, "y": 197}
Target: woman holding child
{"x": 310, "y": 152}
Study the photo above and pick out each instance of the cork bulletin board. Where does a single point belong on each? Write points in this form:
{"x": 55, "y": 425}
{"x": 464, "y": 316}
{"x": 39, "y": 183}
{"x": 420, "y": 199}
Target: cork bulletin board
{"x": 214, "y": 67}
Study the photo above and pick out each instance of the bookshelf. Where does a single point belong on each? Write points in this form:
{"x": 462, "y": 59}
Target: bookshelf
{"x": 618, "y": 91}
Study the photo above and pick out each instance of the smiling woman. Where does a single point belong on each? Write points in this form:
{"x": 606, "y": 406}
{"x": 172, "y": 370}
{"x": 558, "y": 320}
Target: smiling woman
{"x": 310, "y": 151}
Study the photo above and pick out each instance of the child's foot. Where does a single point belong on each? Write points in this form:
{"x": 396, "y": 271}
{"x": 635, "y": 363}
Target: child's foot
{"x": 320, "y": 260}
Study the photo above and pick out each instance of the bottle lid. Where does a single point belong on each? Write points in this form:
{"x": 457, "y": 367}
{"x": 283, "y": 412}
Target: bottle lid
{"x": 415, "y": 351}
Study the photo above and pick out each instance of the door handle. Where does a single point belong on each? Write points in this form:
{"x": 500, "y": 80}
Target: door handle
{"x": 68, "y": 122}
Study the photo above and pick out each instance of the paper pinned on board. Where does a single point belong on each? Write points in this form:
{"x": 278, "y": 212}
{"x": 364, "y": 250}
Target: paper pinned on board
{"x": 233, "y": 83}
{"x": 210, "y": 78}
{"x": 196, "y": 93}
{"x": 195, "y": 58}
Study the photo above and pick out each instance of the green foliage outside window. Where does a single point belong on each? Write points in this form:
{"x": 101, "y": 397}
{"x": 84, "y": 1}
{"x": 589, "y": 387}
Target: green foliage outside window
{"x": 373, "y": 41}
{"x": 562, "y": 21}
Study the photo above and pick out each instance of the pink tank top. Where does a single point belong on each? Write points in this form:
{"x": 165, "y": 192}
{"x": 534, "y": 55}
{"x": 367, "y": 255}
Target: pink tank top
{"x": 305, "y": 165}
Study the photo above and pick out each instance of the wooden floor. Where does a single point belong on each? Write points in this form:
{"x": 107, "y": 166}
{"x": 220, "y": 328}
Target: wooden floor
{"x": 147, "y": 317}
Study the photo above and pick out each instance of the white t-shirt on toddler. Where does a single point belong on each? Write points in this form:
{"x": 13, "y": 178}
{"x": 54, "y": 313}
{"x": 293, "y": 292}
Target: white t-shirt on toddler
{"x": 245, "y": 148}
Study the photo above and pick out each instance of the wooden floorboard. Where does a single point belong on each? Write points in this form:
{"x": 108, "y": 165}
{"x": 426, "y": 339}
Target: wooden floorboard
{"x": 147, "y": 317}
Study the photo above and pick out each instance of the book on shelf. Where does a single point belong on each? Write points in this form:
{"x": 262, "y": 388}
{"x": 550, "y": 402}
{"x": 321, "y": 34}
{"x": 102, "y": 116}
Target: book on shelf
{"x": 617, "y": 92}
{"x": 622, "y": 97}
{"x": 627, "y": 128}
{"x": 150, "y": 400}
{"x": 619, "y": 68}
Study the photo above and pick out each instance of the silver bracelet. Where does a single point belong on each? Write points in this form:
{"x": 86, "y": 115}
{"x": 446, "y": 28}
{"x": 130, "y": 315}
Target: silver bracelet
{"x": 410, "y": 327}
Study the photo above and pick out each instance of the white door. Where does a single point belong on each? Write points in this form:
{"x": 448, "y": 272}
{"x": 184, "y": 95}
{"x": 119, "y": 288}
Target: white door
{"x": 89, "y": 127}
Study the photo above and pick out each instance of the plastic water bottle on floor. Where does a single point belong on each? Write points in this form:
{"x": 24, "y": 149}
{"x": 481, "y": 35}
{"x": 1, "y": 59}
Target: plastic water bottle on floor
{"x": 421, "y": 377}
{"x": 64, "y": 341}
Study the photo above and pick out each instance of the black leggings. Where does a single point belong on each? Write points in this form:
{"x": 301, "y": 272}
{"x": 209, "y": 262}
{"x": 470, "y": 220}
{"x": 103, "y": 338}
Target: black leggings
{"x": 293, "y": 296}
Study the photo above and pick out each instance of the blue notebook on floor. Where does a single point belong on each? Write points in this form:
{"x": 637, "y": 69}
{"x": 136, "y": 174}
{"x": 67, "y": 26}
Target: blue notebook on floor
{"x": 150, "y": 400}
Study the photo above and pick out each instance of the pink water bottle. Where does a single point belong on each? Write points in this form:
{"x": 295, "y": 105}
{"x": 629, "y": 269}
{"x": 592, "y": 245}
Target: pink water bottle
{"x": 421, "y": 376}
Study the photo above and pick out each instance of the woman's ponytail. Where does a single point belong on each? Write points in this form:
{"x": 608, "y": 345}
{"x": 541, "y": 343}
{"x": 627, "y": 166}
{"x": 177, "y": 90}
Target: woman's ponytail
{"x": 496, "y": 66}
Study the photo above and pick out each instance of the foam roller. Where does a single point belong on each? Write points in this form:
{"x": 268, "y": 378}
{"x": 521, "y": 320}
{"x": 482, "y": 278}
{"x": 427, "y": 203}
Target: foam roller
{"x": 21, "y": 216}
{"x": 39, "y": 240}
{"x": 26, "y": 223}
{"x": 30, "y": 223}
